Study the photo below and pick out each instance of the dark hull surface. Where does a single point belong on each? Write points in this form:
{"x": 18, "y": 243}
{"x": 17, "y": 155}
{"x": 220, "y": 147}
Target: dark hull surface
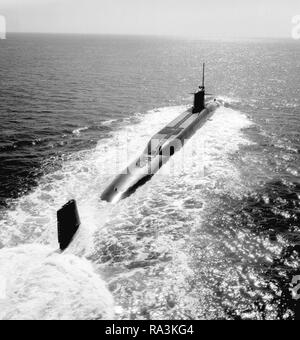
{"x": 160, "y": 149}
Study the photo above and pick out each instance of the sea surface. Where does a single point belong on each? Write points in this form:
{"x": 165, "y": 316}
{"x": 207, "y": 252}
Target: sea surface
{"x": 216, "y": 238}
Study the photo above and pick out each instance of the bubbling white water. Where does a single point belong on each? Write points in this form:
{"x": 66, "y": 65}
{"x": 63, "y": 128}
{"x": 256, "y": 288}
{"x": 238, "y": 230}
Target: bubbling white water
{"x": 43, "y": 285}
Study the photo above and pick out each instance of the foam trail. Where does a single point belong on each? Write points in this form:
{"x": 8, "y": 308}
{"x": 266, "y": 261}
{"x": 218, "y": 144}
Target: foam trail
{"x": 43, "y": 285}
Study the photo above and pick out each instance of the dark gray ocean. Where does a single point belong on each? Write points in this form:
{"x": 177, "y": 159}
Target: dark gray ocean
{"x": 219, "y": 238}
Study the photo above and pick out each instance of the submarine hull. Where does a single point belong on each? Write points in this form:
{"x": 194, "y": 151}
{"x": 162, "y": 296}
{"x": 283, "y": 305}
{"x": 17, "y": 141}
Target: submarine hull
{"x": 159, "y": 150}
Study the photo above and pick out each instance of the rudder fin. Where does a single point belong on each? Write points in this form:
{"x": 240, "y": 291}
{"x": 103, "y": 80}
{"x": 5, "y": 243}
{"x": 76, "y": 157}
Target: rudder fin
{"x": 68, "y": 223}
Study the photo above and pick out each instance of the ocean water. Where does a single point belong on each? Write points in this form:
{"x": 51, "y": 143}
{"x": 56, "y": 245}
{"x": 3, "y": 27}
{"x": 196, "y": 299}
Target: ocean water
{"x": 217, "y": 237}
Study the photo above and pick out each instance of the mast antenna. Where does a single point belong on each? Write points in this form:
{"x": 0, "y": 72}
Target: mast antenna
{"x": 203, "y": 79}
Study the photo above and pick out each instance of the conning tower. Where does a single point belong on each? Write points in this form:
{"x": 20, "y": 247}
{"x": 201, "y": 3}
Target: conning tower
{"x": 199, "y": 97}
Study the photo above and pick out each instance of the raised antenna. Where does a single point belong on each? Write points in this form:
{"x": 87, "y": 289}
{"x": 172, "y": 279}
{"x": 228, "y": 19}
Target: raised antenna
{"x": 203, "y": 79}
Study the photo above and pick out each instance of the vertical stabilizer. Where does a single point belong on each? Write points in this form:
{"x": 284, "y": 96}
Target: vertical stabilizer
{"x": 68, "y": 222}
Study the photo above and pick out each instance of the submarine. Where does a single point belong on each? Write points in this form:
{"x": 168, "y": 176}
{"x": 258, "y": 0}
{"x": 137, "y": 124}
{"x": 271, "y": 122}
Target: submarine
{"x": 162, "y": 147}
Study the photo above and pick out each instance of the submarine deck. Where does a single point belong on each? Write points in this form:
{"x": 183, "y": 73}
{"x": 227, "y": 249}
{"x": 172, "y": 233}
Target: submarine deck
{"x": 176, "y": 126}
{"x": 172, "y": 130}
